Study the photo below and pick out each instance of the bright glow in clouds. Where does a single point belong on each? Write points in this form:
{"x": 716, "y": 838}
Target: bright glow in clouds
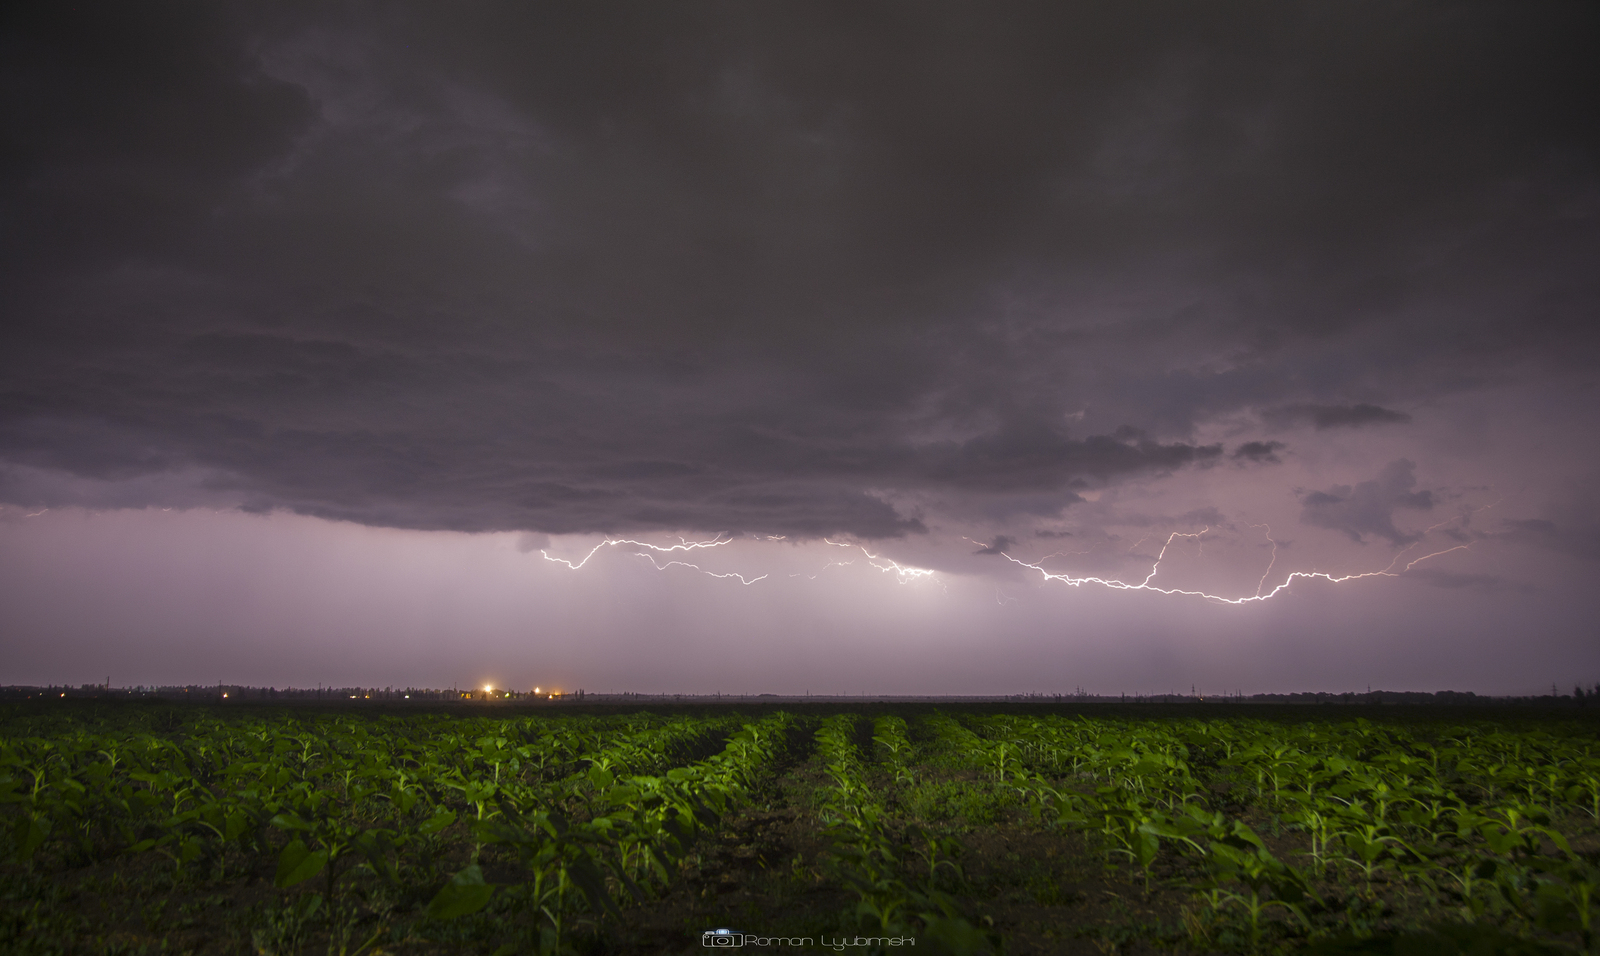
{"x": 906, "y": 574}
{"x": 903, "y": 573}
{"x": 201, "y": 597}
{"x": 682, "y": 545}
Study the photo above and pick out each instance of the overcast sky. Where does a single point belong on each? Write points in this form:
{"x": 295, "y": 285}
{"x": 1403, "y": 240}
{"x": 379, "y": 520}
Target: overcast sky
{"x": 329, "y": 328}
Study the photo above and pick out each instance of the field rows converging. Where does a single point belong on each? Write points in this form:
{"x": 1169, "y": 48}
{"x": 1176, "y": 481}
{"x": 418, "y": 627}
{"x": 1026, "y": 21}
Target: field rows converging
{"x": 865, "y": 829}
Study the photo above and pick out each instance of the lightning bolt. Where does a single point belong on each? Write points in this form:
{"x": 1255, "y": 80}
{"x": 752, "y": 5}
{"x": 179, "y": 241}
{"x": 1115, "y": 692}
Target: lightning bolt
{"x": 1054, "y": 554}
{"x": 830, "y": 564}
{"x": 1145, "y": 585}
{"x": 684, "y": 564}
{"x": 905, "y": 573}
{"x": 683, "y": 545}
{"x": 1263, "y": 582}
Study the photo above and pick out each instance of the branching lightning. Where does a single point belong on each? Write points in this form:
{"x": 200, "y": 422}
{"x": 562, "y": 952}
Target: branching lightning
{"x": 661, "y": 557}
{"x": 684, "y": 564}
{"x": 1146, "y": 585}
{"x": 830, "y": 564}
{"x": 905, "y": 573}
{"x": 1263, "y": 582}
{"x": 682, "y": 545}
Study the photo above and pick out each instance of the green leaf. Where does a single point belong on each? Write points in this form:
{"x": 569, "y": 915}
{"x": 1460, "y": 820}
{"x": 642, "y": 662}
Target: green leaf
{"x": 297, "y": 863}
{"x": 437, "y": 822}
{"x": 1247, "y": 835}
{"x": 238, "y": 824}
{"x": 465, "y": 893}
{"x": 1145, "y": 847}
{"x": 308, "y": 906}
{"x": 28, "y": 833}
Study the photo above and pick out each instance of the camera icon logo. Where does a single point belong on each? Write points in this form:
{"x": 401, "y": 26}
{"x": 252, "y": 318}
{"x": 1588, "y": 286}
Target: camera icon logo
{"x": 722, "y": 937}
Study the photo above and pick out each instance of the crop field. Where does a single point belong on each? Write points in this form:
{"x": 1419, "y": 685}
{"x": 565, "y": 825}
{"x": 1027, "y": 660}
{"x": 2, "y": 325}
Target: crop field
{"x": 190, "y": 829}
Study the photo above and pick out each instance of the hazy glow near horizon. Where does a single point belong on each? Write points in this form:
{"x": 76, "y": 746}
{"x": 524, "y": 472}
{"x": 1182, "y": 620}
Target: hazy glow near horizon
{"x": 200, "y": 597}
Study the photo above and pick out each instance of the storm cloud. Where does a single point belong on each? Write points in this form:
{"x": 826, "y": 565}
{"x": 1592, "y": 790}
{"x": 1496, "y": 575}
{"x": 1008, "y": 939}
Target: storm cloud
{"x": 1369, "y": 507}
{"x": 1336, "y": 416}
{"x": 335, "y": 335}
{"x": 1259, "y": 451}
{"x": 798, "y": 268}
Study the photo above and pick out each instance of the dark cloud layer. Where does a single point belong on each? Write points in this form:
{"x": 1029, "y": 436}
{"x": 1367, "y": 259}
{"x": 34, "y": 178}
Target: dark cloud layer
{"x": 1260, "y": 451}
{"x": 785, "y": 267}
{"x": 1368, "y": 508}
{"x": 1335, "y": 416}
{"x": 1569, "y": 524}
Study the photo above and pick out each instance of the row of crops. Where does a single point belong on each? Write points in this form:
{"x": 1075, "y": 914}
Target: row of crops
{"x": 1473, "y": 826}
{"x": 574, "y": 812}
{"x": 283, "y": 830}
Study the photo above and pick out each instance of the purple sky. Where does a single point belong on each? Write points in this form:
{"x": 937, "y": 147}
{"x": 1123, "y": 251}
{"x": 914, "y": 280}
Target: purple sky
{"x": 329, "y": 328}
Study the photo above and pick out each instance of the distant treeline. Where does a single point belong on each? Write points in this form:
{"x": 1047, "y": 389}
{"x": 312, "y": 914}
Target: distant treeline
{"x": 246, "y": 694}
{"x": 1580, "y": 697}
